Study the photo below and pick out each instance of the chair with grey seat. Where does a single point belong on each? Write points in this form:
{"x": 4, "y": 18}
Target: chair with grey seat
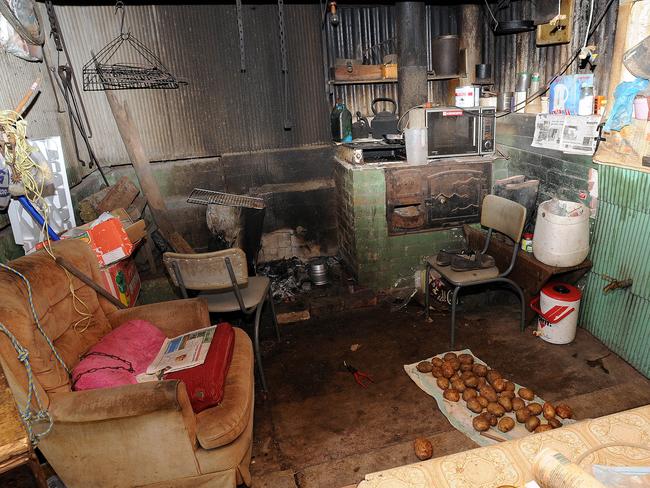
{"x": 222, "y": 278}
{"x": 500, "y": 215}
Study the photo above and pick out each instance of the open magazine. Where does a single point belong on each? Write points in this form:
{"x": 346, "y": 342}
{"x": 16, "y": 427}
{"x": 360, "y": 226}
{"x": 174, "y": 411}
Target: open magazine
{"x": 182, "y": 352}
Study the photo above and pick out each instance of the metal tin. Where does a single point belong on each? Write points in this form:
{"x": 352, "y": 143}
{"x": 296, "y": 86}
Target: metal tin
{"x": 445, "y": 61}
{"x": 318, "y": 272}
{"x": 504, "y": 101}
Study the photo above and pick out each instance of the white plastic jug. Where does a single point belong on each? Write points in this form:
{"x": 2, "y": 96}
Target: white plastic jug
{"x": 416, "y": 145}
{"x": 561, "y": 233}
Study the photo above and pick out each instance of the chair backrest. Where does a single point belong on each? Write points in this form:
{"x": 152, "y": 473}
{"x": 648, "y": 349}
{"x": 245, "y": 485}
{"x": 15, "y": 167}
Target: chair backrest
{"x": 504, "y": 216}
{"x": 207, "y": 271}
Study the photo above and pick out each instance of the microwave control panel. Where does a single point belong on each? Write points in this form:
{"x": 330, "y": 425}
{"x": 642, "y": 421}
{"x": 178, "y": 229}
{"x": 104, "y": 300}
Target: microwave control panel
{"x": 488, "y": 127}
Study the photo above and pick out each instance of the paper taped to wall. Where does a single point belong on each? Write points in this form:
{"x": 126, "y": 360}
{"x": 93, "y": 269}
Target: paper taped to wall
{"x": 571, "y": 134}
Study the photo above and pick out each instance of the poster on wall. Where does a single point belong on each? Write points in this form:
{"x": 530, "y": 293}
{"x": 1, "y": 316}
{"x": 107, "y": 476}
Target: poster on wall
{"x": 571, "y": 134}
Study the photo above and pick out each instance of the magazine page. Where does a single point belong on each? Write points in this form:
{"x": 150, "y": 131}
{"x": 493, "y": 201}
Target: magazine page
{"x": 182, "y": 352}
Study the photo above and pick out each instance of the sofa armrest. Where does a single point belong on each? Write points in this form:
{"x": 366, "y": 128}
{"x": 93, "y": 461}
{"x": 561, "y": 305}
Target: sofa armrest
{"x": 120, "y": 402}
{"x": 173, "y": 317}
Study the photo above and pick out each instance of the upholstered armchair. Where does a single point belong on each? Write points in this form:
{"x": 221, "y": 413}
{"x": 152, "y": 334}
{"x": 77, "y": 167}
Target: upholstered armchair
{"x": 136, "y": 435}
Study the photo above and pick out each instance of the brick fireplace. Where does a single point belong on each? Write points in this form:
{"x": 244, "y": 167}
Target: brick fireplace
{"x": 376, "y": 255}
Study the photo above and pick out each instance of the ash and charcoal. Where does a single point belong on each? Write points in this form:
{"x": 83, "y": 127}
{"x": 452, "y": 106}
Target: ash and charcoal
{"x": 290, "y": 277}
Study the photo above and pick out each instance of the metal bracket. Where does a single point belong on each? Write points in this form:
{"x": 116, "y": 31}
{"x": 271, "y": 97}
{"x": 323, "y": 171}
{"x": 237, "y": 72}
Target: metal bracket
{"x": 240, "y": 28}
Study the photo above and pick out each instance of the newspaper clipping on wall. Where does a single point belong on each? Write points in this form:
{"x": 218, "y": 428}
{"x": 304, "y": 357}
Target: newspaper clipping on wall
{"x": 571, "y": 134}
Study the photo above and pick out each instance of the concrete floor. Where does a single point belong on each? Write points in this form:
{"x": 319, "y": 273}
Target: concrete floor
{"x": 319, "y": 429}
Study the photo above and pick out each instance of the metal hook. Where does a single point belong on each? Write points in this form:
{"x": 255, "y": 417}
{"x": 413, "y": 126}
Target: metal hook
{"x": 119, "y": 5}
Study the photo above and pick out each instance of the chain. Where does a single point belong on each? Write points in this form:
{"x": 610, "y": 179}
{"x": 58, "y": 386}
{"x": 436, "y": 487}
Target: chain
{"x": 285, "y": 69}
{"x": 99, "y": 368}
{"x": 240, "y": 28}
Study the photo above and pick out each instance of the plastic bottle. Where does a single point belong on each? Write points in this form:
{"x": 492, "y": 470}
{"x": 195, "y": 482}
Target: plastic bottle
{"x": 341, "y": 121}
{"x": 535, "y": 105}
{"x": 586, "y": 102}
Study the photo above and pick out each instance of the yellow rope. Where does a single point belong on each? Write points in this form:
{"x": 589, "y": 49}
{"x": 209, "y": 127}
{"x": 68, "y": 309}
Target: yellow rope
{"x": 17, "y": 154}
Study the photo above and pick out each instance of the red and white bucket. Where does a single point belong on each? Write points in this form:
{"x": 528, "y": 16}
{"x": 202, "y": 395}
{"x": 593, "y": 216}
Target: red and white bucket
{"x": 557, "y": 306}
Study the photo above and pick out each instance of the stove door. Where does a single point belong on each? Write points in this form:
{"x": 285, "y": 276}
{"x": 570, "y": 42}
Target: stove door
{"x": 455, "y": 197}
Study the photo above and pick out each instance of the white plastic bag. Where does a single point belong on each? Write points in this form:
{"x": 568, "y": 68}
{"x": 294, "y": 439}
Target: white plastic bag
{"x": 11, "y": 41}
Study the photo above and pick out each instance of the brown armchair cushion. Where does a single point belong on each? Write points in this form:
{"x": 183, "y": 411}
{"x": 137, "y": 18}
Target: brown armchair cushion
{"x": 220, "y": 425}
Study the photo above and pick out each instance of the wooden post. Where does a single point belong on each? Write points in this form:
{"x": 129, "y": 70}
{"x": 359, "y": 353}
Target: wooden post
{"x": 133, "y": 143}
{"x": 471, "y": 40}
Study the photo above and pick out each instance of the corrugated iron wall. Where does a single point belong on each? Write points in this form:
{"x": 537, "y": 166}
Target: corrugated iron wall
{"x": 512, "y": 54}
{"x": 620, "y": 250}
{"x": 368, "y": 33}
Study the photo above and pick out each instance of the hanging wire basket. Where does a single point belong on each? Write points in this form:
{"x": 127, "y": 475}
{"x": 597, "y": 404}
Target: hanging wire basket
{"x": 100, "y": 74}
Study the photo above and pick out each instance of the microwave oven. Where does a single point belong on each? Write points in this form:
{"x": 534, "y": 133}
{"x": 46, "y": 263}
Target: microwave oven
{"x": 453, "y": 132}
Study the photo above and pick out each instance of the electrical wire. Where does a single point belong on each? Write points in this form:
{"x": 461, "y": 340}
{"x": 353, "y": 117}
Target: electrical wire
{"x": 591, "y": 16}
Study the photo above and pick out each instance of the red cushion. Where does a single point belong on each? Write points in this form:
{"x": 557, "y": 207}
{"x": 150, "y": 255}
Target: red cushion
{"x": 205, "y": 383}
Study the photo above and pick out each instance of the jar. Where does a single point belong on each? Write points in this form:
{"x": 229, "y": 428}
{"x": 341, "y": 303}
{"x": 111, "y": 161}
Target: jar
{"x": 527, "y": 242}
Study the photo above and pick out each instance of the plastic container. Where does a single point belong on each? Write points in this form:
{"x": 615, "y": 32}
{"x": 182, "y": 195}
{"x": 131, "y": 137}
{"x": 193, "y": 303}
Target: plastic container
{"x": 341, "y": 122}
{"x": 586, "y": 103}
{"x": 561, "y": 233}
{"x": 557, "y": 307}
{"x": 527, "y": 242}
{"x": 641, "y": 107}
{"x": 416, "y": 145}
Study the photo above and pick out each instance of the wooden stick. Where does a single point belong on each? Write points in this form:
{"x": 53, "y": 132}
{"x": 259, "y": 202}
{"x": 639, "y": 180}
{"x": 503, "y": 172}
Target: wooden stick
{"x": 88, "y": 280}
{"x": 493, "y": 437}
{"x": 135, "y": 149}
{"x": 21, "y": 105}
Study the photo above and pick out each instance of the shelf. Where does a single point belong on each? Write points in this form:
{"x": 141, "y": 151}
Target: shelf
{"x": 388, "y": 80}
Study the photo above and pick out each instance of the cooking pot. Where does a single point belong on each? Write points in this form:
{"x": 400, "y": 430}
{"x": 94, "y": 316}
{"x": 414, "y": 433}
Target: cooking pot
{"x": 384, "y": 122}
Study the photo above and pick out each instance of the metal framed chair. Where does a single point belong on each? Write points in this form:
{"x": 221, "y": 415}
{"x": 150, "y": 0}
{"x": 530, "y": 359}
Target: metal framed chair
{"x": 222, "y": 278}
{"x": 500, "y": 215}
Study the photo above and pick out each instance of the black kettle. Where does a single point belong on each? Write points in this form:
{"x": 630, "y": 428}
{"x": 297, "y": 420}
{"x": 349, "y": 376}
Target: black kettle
{"x": 384, "y": 122}
{"x": 361, "y": 128}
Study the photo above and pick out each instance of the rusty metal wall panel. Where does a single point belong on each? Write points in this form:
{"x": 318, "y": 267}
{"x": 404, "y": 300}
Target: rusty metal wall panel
{"x": 512, "y": 54}
{"x": 221, "y": 109}
{"x": 368, "y": 33}
{"x": 619, "y": 251}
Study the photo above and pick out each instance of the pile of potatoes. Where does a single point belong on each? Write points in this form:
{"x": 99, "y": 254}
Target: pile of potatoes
{"x": 491, "y": 396}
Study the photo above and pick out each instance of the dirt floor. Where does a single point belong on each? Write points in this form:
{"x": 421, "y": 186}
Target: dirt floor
{"x": 319, "y": 429}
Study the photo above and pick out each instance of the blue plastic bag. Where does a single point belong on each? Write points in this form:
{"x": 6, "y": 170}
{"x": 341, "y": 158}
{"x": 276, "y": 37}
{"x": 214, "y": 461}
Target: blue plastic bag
{"x": 621, "y": 114}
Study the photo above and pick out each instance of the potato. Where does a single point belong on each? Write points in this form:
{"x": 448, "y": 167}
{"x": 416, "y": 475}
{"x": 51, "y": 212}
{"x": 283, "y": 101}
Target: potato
{"x": 455, "y": 376}
{"x": 510, "y": 386}
{"x": 506, "y": 403}
{"x": 542, "y": 428}
{"x": 471, "y": 382}
{"x": 466, "y": 374}
{"x": 522, "y": 415}
{"x": 491, "y": 418}
{"x": 483, "y": 401}
{"x": 555, "y": 423}
{"x": 443, "y": 383}
{"x": 548, "y": 411}
{"x": 564, "y": 411}
{"x": 423, "y": 448}
{"x": 492, "y": 375}
{"x": 424, "y": 367}
{"x": 496, "y": 409}
{"x": 479, "y": 369}
{"x": 482, "y": 381}
{"x": 451, "y": 395}
{"x": 436, "y": 372}
{"x": 526, "y": 393}
{"x": 450, "y": 355}
{"x": 455, "y": 362}
{"x": 507, "y": 394}
{"x": 465, "y": 367}
{"x": 488, "y": 392}
{"x": 506, "y": 424}
{"x": 474, "y": 405}
{"x": 458, "y": 385}
{"x": 535, "y": 408}
{"x": 532, "y": 423}
{"x": 481, "y": 423}
{"x": 466, "y": 359}
{"x": 447, "y": 369}
{"x": 517, "y": 404}
{"x": 436, "y": 362}
{"x": 499, "y": 384}
{"x": 469, "y": 393}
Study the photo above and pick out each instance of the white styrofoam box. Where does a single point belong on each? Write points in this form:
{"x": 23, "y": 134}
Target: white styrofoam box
{"x": 27, "y": 232}
{"x": 467, "y": 96}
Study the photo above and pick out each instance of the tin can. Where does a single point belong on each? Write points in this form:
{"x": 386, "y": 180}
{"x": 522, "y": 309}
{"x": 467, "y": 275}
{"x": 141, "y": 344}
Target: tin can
{"x": 527, "y": 242}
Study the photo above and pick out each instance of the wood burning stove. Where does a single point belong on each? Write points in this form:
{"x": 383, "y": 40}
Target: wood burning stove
{"x": 439, "y": 195}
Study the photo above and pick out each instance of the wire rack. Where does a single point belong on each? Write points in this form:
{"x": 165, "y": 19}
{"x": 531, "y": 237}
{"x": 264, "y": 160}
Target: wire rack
{"x": 210, "y": 197}
{"x": 102, "y": 73}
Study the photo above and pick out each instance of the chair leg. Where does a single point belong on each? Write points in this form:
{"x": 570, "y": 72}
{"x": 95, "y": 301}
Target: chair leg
{"x": 426, "y": 291}
{"x": 453, "y": 315}
{"x": 520, "y": 292}
{"x": 256, "y": 344}
{"x": 275, "y": 318}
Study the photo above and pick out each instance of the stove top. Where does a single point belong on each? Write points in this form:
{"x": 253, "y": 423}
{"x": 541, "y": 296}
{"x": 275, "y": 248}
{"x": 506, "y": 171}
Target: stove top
{"x": 367, "y": 152}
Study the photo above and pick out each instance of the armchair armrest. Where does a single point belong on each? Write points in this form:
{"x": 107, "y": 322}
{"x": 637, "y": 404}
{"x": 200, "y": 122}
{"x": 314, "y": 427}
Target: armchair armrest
{"x": 173, "y": 317}
{"x": 120, "y": 402}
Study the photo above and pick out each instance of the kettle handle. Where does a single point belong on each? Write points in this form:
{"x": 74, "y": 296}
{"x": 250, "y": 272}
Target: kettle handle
{"x": 383, "y": 99}
{"x": 363, "y": 119}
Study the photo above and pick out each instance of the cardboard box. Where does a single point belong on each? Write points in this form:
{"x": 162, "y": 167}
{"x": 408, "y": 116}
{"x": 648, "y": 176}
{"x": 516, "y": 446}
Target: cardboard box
{"x": 122, "y": 280}
{"x": 564, "y": 95}
{"x": 112, "y": 236}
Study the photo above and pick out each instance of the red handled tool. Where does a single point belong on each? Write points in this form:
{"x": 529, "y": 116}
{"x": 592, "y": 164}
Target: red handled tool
{"x": 359, "y": 376}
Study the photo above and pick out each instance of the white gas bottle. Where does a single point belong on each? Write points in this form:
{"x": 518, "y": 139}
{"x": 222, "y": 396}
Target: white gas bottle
{"x": 558, "y": 306}
{"x": 561, "y": 233}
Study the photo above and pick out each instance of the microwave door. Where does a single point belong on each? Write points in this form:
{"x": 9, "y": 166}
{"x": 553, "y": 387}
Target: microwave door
{"x": 452, "y": 133}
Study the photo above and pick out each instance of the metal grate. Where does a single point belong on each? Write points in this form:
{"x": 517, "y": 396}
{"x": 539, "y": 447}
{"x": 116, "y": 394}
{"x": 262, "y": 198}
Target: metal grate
{"x": 210, "y": 197}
